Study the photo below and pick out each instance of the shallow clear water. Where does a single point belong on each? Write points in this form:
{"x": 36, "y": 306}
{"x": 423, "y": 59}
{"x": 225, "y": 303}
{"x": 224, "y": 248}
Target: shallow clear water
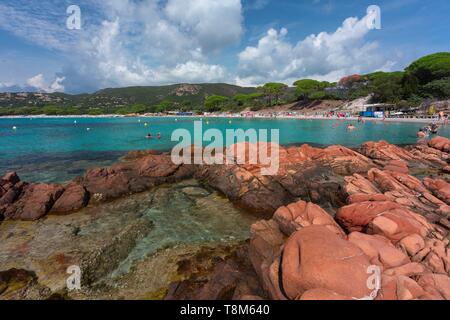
{"x": 57, "y": 149}
{"x": 182, "y": 214}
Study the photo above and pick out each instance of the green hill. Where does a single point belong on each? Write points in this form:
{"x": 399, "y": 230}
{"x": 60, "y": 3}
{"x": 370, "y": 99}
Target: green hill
{"x": 119, "y": 100}
{"x": 193, "y": 94}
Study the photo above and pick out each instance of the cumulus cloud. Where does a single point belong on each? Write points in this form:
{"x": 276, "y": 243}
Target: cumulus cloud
{"x": 144, "y": 43}
{"x": 325, "y": 56}
{"x": 155, "y": 42}
{"x": 128, "y": 42}
{"x": 215, "y": 24}
{"x": 39, "y": 83}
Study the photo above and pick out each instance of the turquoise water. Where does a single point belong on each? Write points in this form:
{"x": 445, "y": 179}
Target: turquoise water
{"x": 57, "y": 149}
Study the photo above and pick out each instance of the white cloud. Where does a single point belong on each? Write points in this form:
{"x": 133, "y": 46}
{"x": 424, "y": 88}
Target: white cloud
{"x": 256, "y": 4}
{"x": 5, "y": 84}
{"x": 154, "y": 42}
{"x": 36, "y": 22}
{"x": 38, "y": 82}
{"x": 325, "y": 56}
{"x": 142, "y": 43}
{"x": 215, "y": 24}
{"x": 128, "y": 42}
{"x": 197, "y": 72}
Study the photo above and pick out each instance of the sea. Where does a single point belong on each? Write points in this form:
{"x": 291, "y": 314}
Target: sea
{"x": 55, "y": 150}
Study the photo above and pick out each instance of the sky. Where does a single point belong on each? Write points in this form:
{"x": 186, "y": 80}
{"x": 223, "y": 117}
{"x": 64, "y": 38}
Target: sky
{"x": 245, "y": 42}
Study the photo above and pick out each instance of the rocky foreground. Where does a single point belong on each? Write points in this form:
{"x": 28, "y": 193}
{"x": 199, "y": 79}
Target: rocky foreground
{"x": 333, "y": 213}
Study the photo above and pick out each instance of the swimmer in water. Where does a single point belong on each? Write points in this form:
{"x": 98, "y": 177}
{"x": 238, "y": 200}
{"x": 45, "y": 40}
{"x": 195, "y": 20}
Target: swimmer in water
{"x": 351, "y": 127}
{"x": 434, "y": 128}
{"x": 159, "y": 135}
{"x": 149, "y": 136}
{"x": 421, "y": 133}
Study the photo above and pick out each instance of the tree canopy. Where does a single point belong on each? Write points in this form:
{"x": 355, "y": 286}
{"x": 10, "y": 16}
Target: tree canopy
{"x": 432, "y": 67}
{"x": 311, "y": 89}
{"x": 215, "y": 103}
{"x": 273, "y": 91}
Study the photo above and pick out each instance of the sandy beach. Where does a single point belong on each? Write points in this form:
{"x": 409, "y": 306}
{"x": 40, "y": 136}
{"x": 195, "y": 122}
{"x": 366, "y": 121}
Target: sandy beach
{"x": 233, "y": 116}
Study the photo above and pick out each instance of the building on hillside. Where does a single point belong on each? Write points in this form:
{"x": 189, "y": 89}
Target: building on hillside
{"x": 377, "y": 110}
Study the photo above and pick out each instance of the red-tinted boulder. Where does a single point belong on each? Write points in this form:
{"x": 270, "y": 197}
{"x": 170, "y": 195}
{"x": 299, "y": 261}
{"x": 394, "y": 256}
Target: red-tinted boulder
{"x": 395, "y": 181}
{"x": 316, "y": 257}
{"x": 385, "y": 151}
{"x": 362, "y": 197}
{"x": 264, "y": 252}
{"x": 408, "y": 270}
{"x": 357, "y": 216}
{"x": 75, "y": 197}
{"x": 440, "y": 143}
{"x": 357, "y": 184}
{"x": 10, "y": 178}
{"x": 399, "y": 288}
{"x": 397, "y": 166}
{"x": 439, "y": 187}
{"x": 437, "y": 285}
{"x": 323, "y": 295}
{"x": 345, "y": 161}
{"x": 303, "y": 214}
{"x": 385, "y": 218}
{"x": 156, "y": 166}
{"x": 379, "y": 249}
{"x": 412, "y": 244}
{"x": 35, "y": 202}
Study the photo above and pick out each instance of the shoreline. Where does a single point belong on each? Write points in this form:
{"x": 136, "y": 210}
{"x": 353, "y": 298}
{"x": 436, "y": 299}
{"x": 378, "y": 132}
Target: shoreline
{"x": 280, "y": 117}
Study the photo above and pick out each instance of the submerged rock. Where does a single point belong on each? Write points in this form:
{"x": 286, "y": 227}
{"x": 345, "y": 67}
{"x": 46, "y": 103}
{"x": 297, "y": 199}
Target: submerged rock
{"x": 140, "y": 172}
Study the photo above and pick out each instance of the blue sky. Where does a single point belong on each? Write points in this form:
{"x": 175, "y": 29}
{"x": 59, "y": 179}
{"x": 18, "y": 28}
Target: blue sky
{"x": 245, "y": 42}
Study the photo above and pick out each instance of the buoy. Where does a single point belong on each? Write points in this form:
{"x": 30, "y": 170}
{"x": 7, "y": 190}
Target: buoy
{"x": 230, "y": 122}
{"x": 146, "y": 124}
{"x": 88, "y": 129}
{"x": 176, "y": 120}
{"x": 14, "y": 128}
{"x": 75, "y": 122}
{"x": 139, "y": 120}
